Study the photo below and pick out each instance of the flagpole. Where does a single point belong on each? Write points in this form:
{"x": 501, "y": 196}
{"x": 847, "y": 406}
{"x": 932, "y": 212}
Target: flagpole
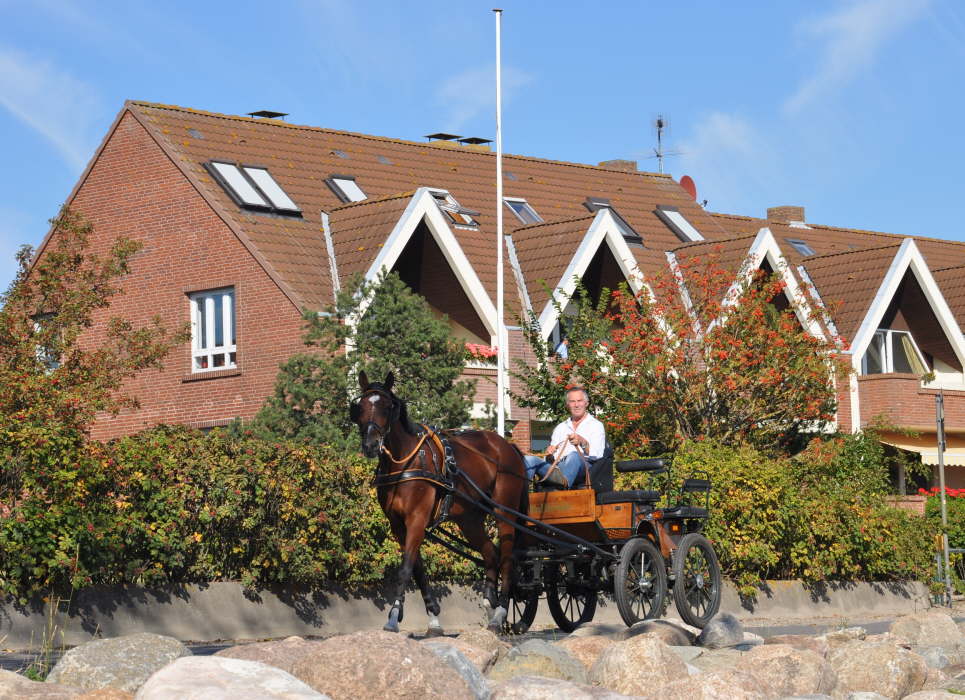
{"x": 500, "y": 330}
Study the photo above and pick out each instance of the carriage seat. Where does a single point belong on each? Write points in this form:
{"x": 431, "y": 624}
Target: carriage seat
{"x": 634, "y": 496}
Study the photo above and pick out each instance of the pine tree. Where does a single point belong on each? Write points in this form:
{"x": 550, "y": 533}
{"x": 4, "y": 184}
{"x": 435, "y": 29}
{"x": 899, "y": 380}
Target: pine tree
{"x": 378, "y": 327}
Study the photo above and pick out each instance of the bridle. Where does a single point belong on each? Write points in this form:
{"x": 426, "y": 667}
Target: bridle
{"x": 355, "y": 412}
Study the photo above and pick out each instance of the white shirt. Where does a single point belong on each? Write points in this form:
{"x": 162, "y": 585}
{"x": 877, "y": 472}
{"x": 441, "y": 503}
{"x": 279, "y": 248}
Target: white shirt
{"x": 589, "y": 428}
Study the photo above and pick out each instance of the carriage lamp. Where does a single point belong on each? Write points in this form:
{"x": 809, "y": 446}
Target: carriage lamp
{"x": 675, "y": 528}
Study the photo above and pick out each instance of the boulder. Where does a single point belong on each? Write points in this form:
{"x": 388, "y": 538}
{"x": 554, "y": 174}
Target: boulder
{"x": 378, "y": 665}
{"x": 106, "y": 694}
{"x": 636, "y": 666}
{"x": 935, "y": 657}
{"x": 586, "y": 650}
{"x": 667, "y": 632}
{"x": 716, "y": 685}
{"x": 485, "y": 640}
{"x": 687, "y": 654}
{"x": 723, "y": 630}
{"x": 599, "y": 629}
{"x": 717, "y": 659}
{"x": 878, "y": 666}
{"x": 462, "y": 665}
{"x": 483, "y": 659}
{"x": 13, "y": 686}
{"x": 207, "y": 677}
{"x": 844, "y": 635}
{"x": 865, "y": 695}
{"x": 538, "y": 658}
{"x": 119, "y": 662}
{"x": 936, "y": 679}
{"x": 536, "y": 688}
{"x": 282, "y": 653}
{"x": 932, "y": 628}
{"x": 801, "y": 641}
{"x": 933, "y": 695}
{"x": 789, "y": 671}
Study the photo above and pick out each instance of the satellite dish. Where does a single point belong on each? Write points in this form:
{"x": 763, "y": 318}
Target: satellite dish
{"x": 687, "y": 183}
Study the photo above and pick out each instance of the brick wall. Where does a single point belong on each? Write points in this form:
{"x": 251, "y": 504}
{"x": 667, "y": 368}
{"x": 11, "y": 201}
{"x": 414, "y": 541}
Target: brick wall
{"x": 902, "y": 400}
{"x": 135, "y": 190}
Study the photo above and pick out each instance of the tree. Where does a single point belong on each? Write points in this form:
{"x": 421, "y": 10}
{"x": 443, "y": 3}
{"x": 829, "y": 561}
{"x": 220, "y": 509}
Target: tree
{"x": 53, "y": 379}
{"x": 730, "y": 365}
{"x": 377, "y": 327}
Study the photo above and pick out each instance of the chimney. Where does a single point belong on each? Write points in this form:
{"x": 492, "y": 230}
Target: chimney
{"x": 627, "y": 166}
{"x": 785, "y": 214}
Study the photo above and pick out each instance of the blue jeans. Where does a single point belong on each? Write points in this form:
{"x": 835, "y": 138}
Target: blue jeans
{"x": 571, "y": 466}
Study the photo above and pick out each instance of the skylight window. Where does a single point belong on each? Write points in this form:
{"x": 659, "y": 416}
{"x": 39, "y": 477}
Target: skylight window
{"x": 678, "y": 224}
{"x": 340, "y": 153}
{"x": 454, "y": 212}
{"x": 252, "y": 187}
{"x": 597, "y": 203}
{"x": 346, "y": 188}
{"x": 384, "y": 160}
{"x": 523, "y": 210}
{"x": 801, "y": 246}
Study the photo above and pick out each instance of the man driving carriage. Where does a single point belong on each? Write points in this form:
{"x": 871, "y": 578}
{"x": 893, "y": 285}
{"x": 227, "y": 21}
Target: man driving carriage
{"x": 575, "y": 443}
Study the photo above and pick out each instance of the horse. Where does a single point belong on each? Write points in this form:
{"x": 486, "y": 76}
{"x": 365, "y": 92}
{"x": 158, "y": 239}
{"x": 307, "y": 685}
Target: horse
{"x": 412, "y": 480}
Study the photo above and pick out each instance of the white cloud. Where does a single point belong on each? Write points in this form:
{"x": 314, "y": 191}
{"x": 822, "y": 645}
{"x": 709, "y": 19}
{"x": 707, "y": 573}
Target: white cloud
{"x": 52, "y": 102}
{"x": 849, "y": 40}
{"x": 472, "y": 92}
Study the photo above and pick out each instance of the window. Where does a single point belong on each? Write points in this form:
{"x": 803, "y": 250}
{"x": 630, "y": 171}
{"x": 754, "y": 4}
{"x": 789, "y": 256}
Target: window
{"x": 47, "y": 354}
{"x": 252, "y": 187}
{"x": 345, "y": 188}
{"x": 454, "y": 213}
{"x": 893, "y": 351}
{"x": 596, "y": 203}
{"x": 523, "y": 211}
{"x": 801, "y": 246}
{"x": 678, "y": 224}
{"x": 213, "y": 330}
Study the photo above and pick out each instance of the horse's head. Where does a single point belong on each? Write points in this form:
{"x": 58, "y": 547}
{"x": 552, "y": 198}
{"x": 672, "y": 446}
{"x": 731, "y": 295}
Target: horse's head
{"x": 375, "y": 412}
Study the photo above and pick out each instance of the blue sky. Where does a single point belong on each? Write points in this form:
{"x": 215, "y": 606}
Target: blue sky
{"x": 850, "y": 108}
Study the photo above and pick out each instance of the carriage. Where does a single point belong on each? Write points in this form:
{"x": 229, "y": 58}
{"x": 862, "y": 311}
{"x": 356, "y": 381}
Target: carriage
{"x": 571, "y": 545}
{"x": 579, "y": 543}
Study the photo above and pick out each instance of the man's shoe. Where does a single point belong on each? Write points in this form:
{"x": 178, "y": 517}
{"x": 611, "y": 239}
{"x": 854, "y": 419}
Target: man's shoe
{"x": 554, "y": 477}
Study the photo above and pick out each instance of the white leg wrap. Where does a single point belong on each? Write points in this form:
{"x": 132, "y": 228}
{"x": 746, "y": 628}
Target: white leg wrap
{"x": 499, "y": 617}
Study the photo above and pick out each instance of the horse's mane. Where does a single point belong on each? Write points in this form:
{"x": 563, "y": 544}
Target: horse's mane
{"x": 407, "y": 424}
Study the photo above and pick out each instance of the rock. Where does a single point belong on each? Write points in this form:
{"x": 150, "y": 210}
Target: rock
{"x": 931, "y": 628}
{"x": 601, "y": 629}
{"x": 723, "y": 630}
{"x": 789, "y": 671}
{"x": 538, "y": 658}
{"x": 207, "y": 677}
{"x": 687, "y": 654}
{"x": 120, "y": 662}
{"x": 483, "y": 659}
{"x": 865, "y": 695}
{"x": 716, "y": 685}
{"x": 378, "y": 665}
{"x": 636, "y": 666}
{"x": 718, "y": 659}
{"x": 935, "y": 657}
{"x": 933, "y": 695}
{"x": 106, "y": 694}
{"x": 751, "y": 639}
{"x": 844, "y": 635}
{"x": 487, "y": 641}
{"x": 586, "y": 650}
{"x": 878, "y": 666}
{"x": 13, "y": 686}
{"x": 801, "y": 641}
{"x": 535, "y": 688}
{"x": 463, "y": 666}
{"x": 667, "y": 632}
{"x": 281, "y": 654}
{"x": 936, "y": 679}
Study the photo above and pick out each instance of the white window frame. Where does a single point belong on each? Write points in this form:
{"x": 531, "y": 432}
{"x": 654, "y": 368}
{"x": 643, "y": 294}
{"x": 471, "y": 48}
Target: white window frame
{"x": 679, "y": 224}
{"x": 889, "y": 337}
{"x": 452, "y": 209}
{"x": 524, "y": 206}
{"x": 252, "y": 187}
{"x": 801, "y": 246}
{"x": 203, "y": 354}
{"x": 346, "y": 188}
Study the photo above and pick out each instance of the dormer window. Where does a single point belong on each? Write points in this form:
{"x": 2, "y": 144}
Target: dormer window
{"x": 455, "y": 213}
{"x": 893, "y": 351}
{"x": 345, "y": 188}
{"x": 801, "y": 247}
{"x": 252, "y": 187}
{"x": 523, "y": 210}
{"x": 678, "y": 223}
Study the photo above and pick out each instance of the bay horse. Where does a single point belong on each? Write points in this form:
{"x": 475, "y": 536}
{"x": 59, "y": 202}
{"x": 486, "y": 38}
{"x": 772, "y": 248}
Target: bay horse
{"x": 412, "y": 481}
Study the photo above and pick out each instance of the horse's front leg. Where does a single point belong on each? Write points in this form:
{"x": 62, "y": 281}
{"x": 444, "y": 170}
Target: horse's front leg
{"x": 410, "y": 535}
{"x": 432, "y": 605}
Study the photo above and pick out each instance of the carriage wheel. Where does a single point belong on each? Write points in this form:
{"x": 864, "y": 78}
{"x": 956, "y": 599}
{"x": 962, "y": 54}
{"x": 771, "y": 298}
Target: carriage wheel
{"x": 570, "y": 605}
{"x": 522, "y": 612}
{"x": 696, "y": 572}
{"x": 640, "y": 585}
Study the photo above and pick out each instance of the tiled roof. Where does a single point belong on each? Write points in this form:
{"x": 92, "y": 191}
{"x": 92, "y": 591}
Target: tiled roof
{"x": 848, "y": 283}
{"x": 951, "y": 280}
{"x": 300, "y": 158}
{"x": 545, "y": 251}
{"x": 360, "y": 229}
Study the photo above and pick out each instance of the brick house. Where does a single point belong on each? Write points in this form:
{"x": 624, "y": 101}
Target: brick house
{"x": 248, "y": 221}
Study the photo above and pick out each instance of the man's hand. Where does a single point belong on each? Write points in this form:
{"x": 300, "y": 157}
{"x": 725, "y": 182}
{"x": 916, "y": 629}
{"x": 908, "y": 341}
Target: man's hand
{"x": 578, "y": 441}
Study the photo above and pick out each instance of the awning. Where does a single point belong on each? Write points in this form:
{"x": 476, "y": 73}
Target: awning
{"x": 926, "y": 444}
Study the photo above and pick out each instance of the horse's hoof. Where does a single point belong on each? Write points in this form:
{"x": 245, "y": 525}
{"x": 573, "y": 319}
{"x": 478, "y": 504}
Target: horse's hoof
{"x": 499, "y": 617}
{"x": 435, "y": 631}
{"x": 393, "y": 623}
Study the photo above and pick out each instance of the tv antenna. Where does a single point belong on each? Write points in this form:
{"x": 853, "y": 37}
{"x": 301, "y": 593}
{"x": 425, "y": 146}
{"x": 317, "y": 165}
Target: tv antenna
{"x": 661, "y": 123}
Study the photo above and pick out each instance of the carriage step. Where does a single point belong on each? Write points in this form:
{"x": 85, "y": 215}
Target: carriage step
{"x": 635, "y": 496}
